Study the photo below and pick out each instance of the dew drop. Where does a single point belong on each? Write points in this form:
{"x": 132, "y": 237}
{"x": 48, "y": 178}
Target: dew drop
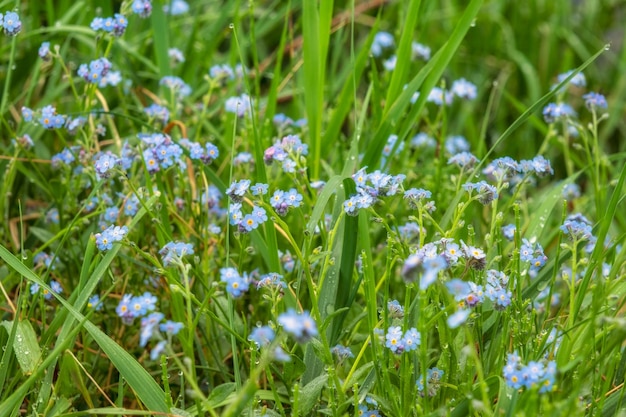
{"x": 231, "y": 26}
{"x": 180, "y": 373}
{"x": 473, "y": 24}
{"x": 607, "y": 46}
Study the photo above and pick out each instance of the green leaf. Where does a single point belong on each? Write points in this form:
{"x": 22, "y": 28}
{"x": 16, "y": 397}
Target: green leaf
{"x": 219, "y": 394}
{"x": 310, "y": 394}
{"x": 25, "y": 345}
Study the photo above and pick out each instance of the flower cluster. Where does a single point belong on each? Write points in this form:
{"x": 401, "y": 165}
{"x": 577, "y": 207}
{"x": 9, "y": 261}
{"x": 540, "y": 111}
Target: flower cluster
{"x": 289, "y": 152}
{"x": 11, "y": 23}
{"x": 398, "y": 342}
{"x": 395, "y": 310}
{"x": 176, "y": 8}
{"x": 105, "y": 239}
{"x": 176, "y": 85}
{"x": 115, "y": 25}
{"x": 105, "y": 162}
{"x": 131, "y": 307}
{"x": 175, "y": 250}
{"x": 508, "y": 169}
{"x": 236, "y": 285}
{"x": 532, "y": 251}
{"x": 206, "y": 154}
{"x": 535, "y": 374}
{"x": 271, "y": 281}
{"x": 299, "y": 325}
{"x": 433, "y": 382}
{"x": 554, "y": 112}
{"x": 95, "y": 71}
{"x": 496, "y": 289}
{"x": 161, "y": 152}
{"x": 282, "y": 201}
{"x": 54, "y": 286}
{"x": 382, "y": 41}
{"x": 426, "y": 263}
{"x": 282, "y": 121}
{"x": 157, "y": 112}
{"x": 595, "y": 101}
{"x": 143, "y": 8}
{"x": 485, "y": 193}
{"x": 48, "y": 119}
{"x": 239, "y": 105}
{"x": 370, "y": 187}
{"x": 262, "y": 337}
{"x": 389, "y": 148}
{"x": 577, "y": 228}
{"x": 341, "y": 352}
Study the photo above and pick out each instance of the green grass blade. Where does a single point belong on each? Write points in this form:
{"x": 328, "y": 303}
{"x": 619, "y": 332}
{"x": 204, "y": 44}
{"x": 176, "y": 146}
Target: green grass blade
{"x": 161, "y": 42}
{"x": 315, "y": 46}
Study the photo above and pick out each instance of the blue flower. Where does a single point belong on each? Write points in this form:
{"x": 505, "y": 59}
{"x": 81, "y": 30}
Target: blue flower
{"x": 95, "y": 71}
{"x": 176, "y": 55}
{"x": 259, "y": 189}
{"x": 301, "y": 326}
{"x": 557, "y": 111}
{"x": 248, "y": 223}
{"x": 44, "y": 51}
{"x": 105, "y": 163}
{"x": 237, "y": 286}
{"x": 578, "y": 80}
{"x": 577, "y": 230}
{"x": 272, "y": 280}
{"x": 157, "y": 112}
{"x": 433, "y": 381}
{"x": 571, "y": 192}
{"x": 463, "y": 160}
{"x": 342, "y": 352}
{"x": 105, "y": 239}
{"x": 396, "y": 311}
{"x": 171, "y": 327}
{"x": 94, "y": 302}
{"x": 456, "y": 144}
{"x": 595, "y": 101}
{"x": 142, "y": 7}
{"x": 176, "y": 8}
{"x": 240, "y": 105}
{"x": 440, "y": 96}
{"x": 50, "y": 119}
{"x": 11, "y": 23}
{"x": 238, "y": 189}
{"x": 157, "y": 350}
{"x": 411, "y": 339}
{"x": 27, "y": 114}
{"x": 173, "y": 250}
{"x": 419, "y": 51}
{"x": 459, "y": 317}
{"x": 382, "y": 41}
{"x": 221, "y": 72}
{"x": 293, "y": 198}
{"x": 262, "y": 336}
{"x": 176, "y": 84}
{"x": 394, "y": 340}
{"x": 464, "y": 89}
